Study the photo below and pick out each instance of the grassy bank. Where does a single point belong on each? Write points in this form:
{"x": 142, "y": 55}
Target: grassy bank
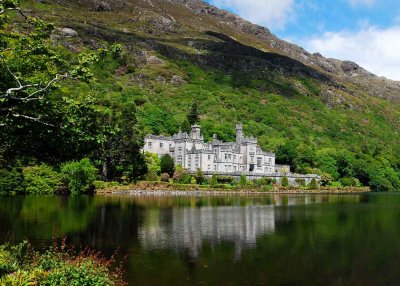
{"x": 223, "y": 188}
{"x": 58, "y": 265}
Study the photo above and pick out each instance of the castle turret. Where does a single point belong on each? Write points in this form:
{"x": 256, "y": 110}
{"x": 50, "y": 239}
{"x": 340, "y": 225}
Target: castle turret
{"x": 239, "y": 133}
{"x": 195, "y": 134}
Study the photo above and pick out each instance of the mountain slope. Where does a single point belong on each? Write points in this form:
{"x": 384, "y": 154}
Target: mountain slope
{"x": 318, "y": 114}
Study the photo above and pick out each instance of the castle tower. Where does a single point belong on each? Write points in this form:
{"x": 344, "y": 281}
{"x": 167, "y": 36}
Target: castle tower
{"x": 239, "y": 133}
{"x": 195, "y": 133}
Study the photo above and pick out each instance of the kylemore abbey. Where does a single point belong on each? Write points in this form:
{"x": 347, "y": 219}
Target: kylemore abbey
{"x": 243, "y": 157}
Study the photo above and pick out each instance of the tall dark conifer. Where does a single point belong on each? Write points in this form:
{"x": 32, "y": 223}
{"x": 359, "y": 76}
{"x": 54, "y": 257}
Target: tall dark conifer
{"x": 194, "y": 113}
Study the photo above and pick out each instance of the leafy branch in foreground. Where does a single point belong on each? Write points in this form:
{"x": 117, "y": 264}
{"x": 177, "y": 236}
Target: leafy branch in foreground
{"x": 31, "y": 65}
{"x": 10, "y": 5}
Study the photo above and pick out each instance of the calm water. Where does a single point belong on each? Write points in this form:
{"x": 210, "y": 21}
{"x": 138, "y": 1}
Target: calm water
{"x": 270, "y": 240}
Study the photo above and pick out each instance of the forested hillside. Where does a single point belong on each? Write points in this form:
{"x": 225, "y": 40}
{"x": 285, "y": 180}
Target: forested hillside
{"x": 124, "y": 69}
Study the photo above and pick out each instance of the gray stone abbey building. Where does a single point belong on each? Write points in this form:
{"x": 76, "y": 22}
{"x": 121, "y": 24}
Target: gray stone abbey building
{"x": 243, "y": 157}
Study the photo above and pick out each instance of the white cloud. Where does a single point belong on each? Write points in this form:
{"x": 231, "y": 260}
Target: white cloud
{"x": 368, "y": 3}
{"x": 375, "y": 49}
{"x": 270, "y": 13}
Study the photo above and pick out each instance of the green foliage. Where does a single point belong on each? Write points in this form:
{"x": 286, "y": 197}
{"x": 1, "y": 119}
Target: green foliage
{"x": 8, "y": 263}
{"x": 225, "y": 179}
{"x": 285, "y": 182}
{"x": 21, "y": 265}
{"x": 185, "y": 126}
{"x": 199, "y": 176}
{"x": 313, "y": 185}
{"x": 151, "y": 176}
{"x": 99, "y": 185}
{"x": 214, "y": 180}
{"x": 243, "y": 181}
{"x": 11, "y": 180}
{"x": 349, "y": 182}
{"x": 152, "y": 162}
{"x": 262, "y": 184}
{"x": 194, "y": 114}
{"x": 164, "y": 177}
{"x": 181, "y": 176}
{"x": 300, "y": 182}
{"x": 167, "y": 165}
{"x": 79, "y": 175}
{"x": 77, "y": 117}
{"x": 41, "y": 180}
{"x": 106, "y": 119}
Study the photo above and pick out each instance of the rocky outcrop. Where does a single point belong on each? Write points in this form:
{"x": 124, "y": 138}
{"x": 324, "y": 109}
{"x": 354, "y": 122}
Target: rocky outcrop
{"x": 177, "y": 80}
{"x": 219, "y": 39}
{"x": 66, "y": 32}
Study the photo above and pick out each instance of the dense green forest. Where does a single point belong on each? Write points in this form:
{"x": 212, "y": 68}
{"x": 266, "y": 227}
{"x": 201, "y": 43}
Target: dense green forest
{"x": 82, "y": 104}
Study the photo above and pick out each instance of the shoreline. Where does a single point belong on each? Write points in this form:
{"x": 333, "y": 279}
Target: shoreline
{"x": 159, "y": 193}
{"x": 168, "y": 189}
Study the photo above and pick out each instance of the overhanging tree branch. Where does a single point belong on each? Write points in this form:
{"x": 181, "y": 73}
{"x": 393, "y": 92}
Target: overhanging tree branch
{"x": 38, "y": 94}
{"x": 13, "y": 7}
{"x": 35, "y": 95}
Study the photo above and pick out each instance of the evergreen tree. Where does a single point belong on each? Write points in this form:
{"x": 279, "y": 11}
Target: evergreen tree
{"x": 194, "y": 113}
{"x": 185, "y": 126}
{"x": 167, "y": 165}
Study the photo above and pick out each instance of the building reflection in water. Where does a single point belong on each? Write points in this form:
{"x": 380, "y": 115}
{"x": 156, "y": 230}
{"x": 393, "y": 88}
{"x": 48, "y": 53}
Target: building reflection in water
{"x": 188, "y": 228}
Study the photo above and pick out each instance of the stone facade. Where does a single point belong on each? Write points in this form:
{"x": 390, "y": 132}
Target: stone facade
{"x": 243, "y": 157}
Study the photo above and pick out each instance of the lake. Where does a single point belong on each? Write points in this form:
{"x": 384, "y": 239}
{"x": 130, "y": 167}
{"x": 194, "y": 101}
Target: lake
{"x": 253, "y": 240}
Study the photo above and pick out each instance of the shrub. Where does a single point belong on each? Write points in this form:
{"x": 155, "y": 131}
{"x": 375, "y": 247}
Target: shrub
{"x": 40, "y": 180}
{"x": 262, "y": 182}
{"x": 225, "y": 179}
{"x": 214, "y": 180}
{"x": 335, "y": 184}
{"x": 350, "y": 182}
{"x": 151, "y": 176}
{"x": 181, "y": 176}
{"x": 167, "y": 165}
{"x": 165, "y": 177}
{"x": 326, "y": 179}
{"x": 300, "y": 182}
{"x": 243, "y": 181}
{"x": 152, "y": 162}
{"x": 313, "y": 184}
{"x": 98, "y": 185}
{"x": 57, "y": 266}
{"x": 80, "y": 176}
{"x": 11, "y": 180}
{"x": 199, "y": 176}
{"x": 285, "y": 182}
{"x": 8, "y": 263}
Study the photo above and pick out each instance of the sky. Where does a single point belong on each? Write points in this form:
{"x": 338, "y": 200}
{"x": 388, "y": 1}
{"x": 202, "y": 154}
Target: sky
{"x": 364, "y": 31}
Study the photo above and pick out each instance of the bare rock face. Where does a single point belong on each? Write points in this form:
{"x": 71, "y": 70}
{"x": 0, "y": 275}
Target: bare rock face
{"x": 333, "y": 99}
{"x": 349, "y": 67}
{"x": 160, "y": 79}
{"x": 164, "y": 25}
{"x": 102, "y": 6}
{"x": 153, "y": 60}
{"x": 177, "y": 80}
{"x": 66, "y": 32}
